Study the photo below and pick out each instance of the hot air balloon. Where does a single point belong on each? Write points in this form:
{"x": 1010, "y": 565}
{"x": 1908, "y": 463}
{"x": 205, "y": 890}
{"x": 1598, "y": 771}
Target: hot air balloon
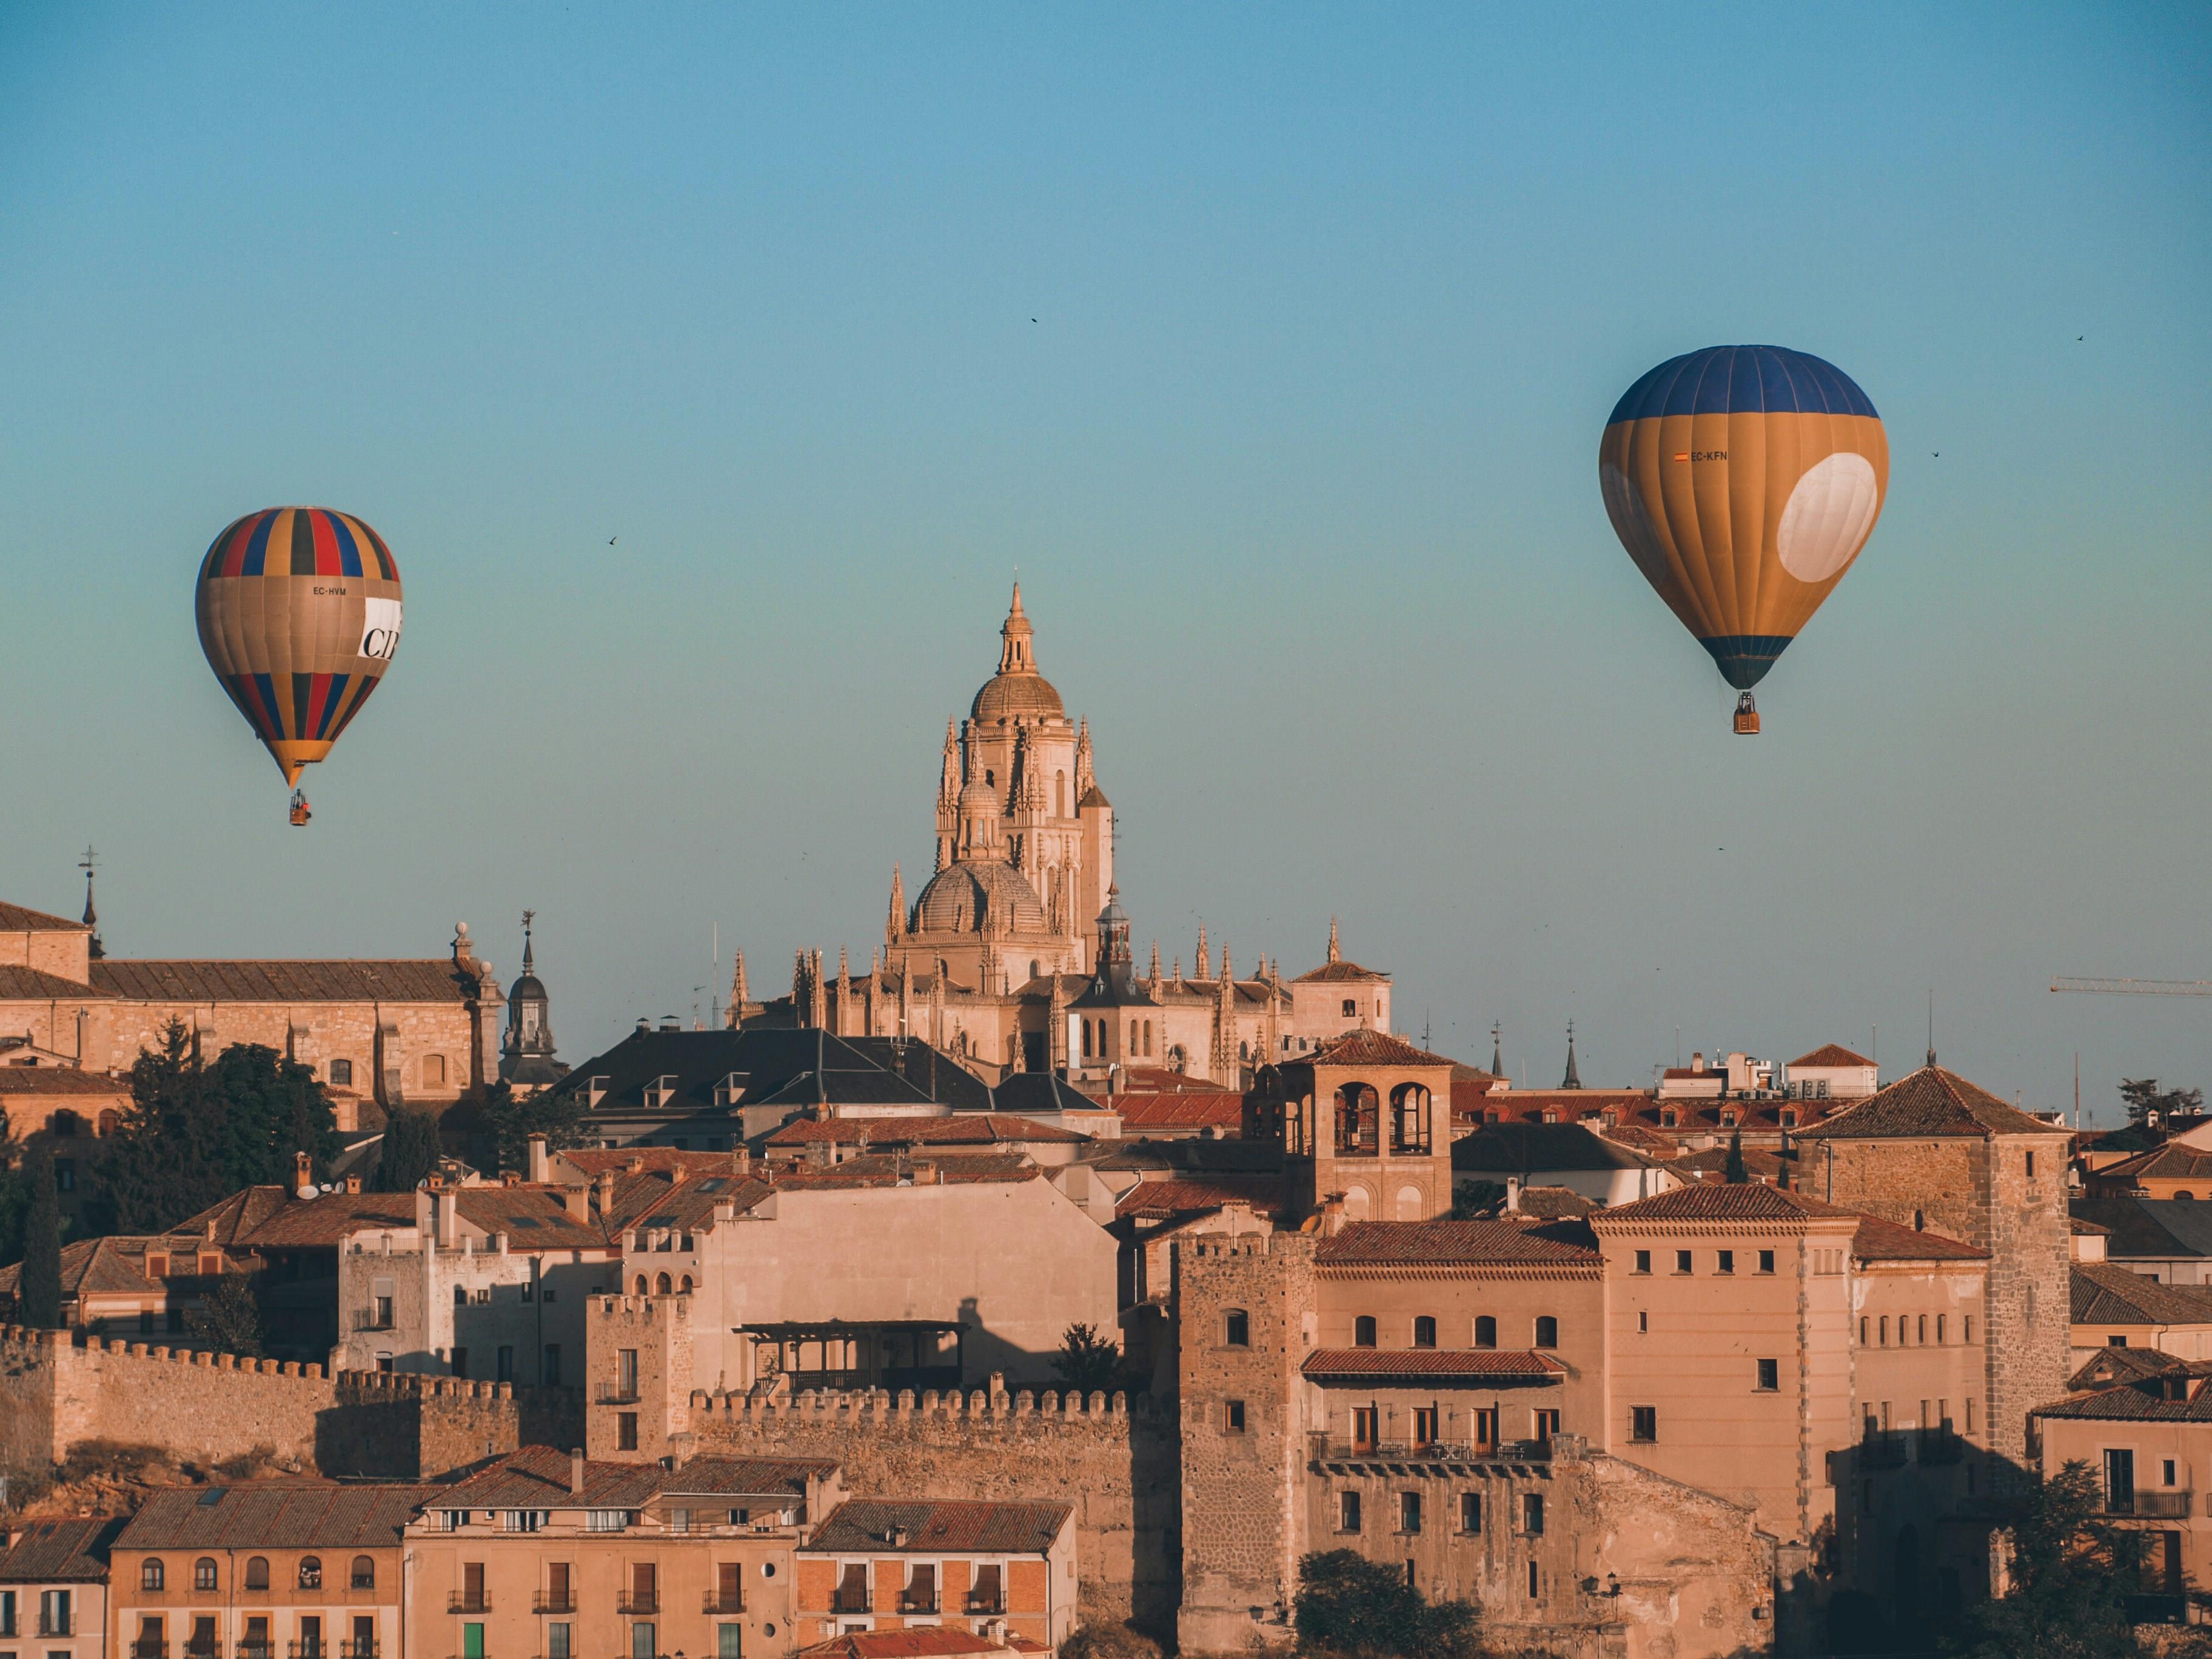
{"x": 298, "y": 616}
{"x": 1743, "y": 481}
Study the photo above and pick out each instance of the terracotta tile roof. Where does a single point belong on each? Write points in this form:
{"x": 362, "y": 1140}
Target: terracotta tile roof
{"x": 921, "y": 1642}
{"x": 21, "y": 919}
{"x": 1335, "y": 972}
{"x": 1189, "y": 1196}
{"x": 59, "y": 1080}
{"x": 274, "y": 1517}
{"x": 19, "y": 984}
{"x": 2172, "y": 1162}
{"x": 863, "y": 1525}
{"x": 59, "y": 1550}
{"x": 1878, "y": 1240}
{"x": 2141, "y": 1401}
{"x": 883, "y": 1169}
{"x": 2107, "y": 1295}
{"x": 1637, "y": 1138}
{"x": 1830, "y": 1054}
{"x": 431, "y": 980}
{"x": 539, "y": 1477}
{"x": 1183, "y": 1109}
{"x": 1753, "y": 1201}
{"x": 2081, "y": 1229}
{"x": 270, "y": 1216}
{"x": 1367, "y": 1047}
{"x": 1554, "y": 1203}
{"x": 1158, "y": 1080}
{"x": 1710, "y": 1163}
{"x": 115, "y": 1265}
{"x": 590, "y": 1161}
{"x": 1929, "y": 1102}
{"x": 1456, "y": 1243}
{"x": 532, "y": 1218}
{"x": 960, "y": 1129}
{"x": 1430, "y": 1363}
{"x": 2111, "y": 1365}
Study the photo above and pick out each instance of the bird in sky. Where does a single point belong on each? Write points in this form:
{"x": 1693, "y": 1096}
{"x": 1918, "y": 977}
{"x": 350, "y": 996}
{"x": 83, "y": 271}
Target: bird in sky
{"x": 611, "y": 540}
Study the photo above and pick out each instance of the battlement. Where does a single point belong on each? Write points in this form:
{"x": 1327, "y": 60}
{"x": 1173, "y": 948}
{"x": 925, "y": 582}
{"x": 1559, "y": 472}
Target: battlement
{"x": 27, "y": 1342}
{"x": 370, "y": 1386}
{"x": 858, "y": 1408}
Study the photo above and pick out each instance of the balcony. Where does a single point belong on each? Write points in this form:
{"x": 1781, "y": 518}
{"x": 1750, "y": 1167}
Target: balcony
{"x": 367, "y": 1319}
{"x": 2152, "y": 1505}
{"x": 553, "y": 1602}
{"x": 147, "y": 1650}
{"x": 54, "y": 1623}
{"x": 263, "y": 1648}
{"x": 914, "y": 1602}
{"x": 468, "y": 1601}
{"x": 312, "y": 1648}
{"x": 615, "y": 1393}
{"x": 370, "y": 1649}
{"x": 990, "y": 1602}
{"x": 846, "y": 1601}
{"x": 716, "y": 1602}
{"x": 638, "y": 1604}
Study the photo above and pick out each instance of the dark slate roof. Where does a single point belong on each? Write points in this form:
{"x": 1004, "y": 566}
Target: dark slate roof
{"x": 59, "y": 1551}
{"x": 437, "y": 980}
{"x": 1527, "y": 1148}
{"x": 274, "y": 1517}
{"x": 1460, "y": 1244}
{"x": 1930, "y": 1102}
{"x": 1430, "y": 1363}
{"x": 2152, "y": 1227}
{"x": 2172, "y": 1161}
{"x": 796, "y": 1067}
{"x": 863, "y": 1526}
{"x": 21, "y": 919}
{"x": 2108, "y": 1294}
{"x": 1037, "y": 1093}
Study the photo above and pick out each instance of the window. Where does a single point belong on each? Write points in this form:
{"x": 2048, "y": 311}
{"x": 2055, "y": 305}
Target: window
{"x": 2031, "y": 1166}
{"x": 1232, "y": 1416}
{"x": 1644, "y": 1423}
{"x": 434, "y": 1070}
{"x": 341, "y": 1073}
{"x": 2169, "y": 1479}
{"x": 1409, "y": 1511}
{"x": 363, "y": 1575}
{"x": 1883, "y": 1328}
{"x": 1725, "y": 1263}
{"x": 1769, "y": 1376}
{"x": 1766, "y": 1262}
{"x": 626, "y": 1432}
{"x": 523, "y": 1520}
{"x": 1643, "y": 1322}
{"x": 1485, "y": 1331}
{"x": 1534, "y": 1589}
{"x": 1681, "y": 1261}
{"x": 1470, "y": 1512}
{"x": 550, "y": 1371}
{"x": 558, "y": 1642}
{"x": 1862, "y": 1330}
{"x": 729, "y": 1641}
{"x": 1363, "y": 1331}
{"x": 1532, "y": 1514}
{"x": 643, "y": 1641}
{"x": 1424, "y": 1425}
{"x": 1643, "y": 1262}
{"x": 1425, "y": 1331}
{"x": 1548, "y": 1331}
{"x": 65, "y": 1175}
{"x": 1351, "y": 1008}
{"x": 152, "y": 1575}
{"x": 2120, "y": 1481}
{"x": 1236, "y": 1329}
{"x": 626, "y": 1369}
{"x": 503, "y": 1365}
{"x": 257, "y": 1572}
{"x": 606, "y": 1520}
{"x": 1545, "y": 1423}
{"x": 203, "y": 1575}
{"x": 1939, "y": 1329}
{"x": 1966, "y": 1328}
{"x": 1366, "y": 1422}
{"x": 459, "y": 1362}
{"x": 1347, "y": 1512}
{"x": 311, "y": 1572}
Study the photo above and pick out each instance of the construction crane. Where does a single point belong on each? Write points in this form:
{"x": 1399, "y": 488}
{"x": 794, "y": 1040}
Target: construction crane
{"x": 2138, "y": 987}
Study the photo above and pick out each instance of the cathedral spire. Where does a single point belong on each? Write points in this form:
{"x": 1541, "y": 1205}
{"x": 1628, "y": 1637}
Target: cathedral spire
{"x": 1334, "y": 955}
{"x": 1573, "y": 1078}
{"x": 1084, "y": 779}
{"x": 1156, "y": 961}
{"x": 91, "y": 913}
{"x": 1497, "y": 1052}
{"x": 1205, "y": 961}
{"x": 896, "y": 920}
{"x": 529, "y": 960}
{"x": 739, "y": 993}
{"x": 1015, "y": 656}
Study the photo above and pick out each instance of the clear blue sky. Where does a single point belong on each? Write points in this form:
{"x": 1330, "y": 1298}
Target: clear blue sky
{"x": 1297, "y": 460}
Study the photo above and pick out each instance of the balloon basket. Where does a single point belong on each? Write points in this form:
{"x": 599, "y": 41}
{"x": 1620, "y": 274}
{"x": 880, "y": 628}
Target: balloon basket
{"x": 1747, "y": 716}
{"x": 301, "y": 811}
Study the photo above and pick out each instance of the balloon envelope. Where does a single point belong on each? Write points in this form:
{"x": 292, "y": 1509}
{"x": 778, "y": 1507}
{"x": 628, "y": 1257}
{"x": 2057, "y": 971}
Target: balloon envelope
{"x": 1743, "y": 481}
{"x": 298, "y": 616}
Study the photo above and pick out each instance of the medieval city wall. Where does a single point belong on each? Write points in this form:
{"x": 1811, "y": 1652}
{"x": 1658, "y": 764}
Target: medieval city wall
{"x": 1116, "y": 1465}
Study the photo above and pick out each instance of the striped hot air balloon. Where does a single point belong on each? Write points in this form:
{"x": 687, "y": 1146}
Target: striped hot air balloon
{"x": 298, "y": 616}
{"x": 1743, "y": 481}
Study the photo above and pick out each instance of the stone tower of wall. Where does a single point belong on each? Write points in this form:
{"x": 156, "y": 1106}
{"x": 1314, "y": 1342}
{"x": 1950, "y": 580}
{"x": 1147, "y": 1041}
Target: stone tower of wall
{"x": 1242, "y": 1508}
{"x": 657, "y": 1330}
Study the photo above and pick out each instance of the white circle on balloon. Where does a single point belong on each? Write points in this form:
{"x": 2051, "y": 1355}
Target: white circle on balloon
{"x": 1830, "y": 514}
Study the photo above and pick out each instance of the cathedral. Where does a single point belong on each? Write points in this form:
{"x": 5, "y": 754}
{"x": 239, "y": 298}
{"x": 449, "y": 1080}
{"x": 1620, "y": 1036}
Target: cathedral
{"x": 1016, "y": 954}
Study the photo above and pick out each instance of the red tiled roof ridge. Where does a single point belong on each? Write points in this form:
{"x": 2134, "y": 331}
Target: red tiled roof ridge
{"x": 1830, "y": 1054}
{"x": 21, "y": 919}
{"x": 1929, "y": 1102}
{"x": 1368, "y": 1047}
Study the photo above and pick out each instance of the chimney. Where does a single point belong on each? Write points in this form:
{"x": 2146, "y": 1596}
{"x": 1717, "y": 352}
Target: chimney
{"x": 1513, "y": 1195}
{"x": 606, "y": 1186}
{"x": 1697, "y": 1060}
{"x": 644, "y": 1023}
{"x": 896, "y": 1538}
{"x": 576, "y": 1472}
{"x": 541, "y": 1164}
{"x": 353, "y": 1183}
{"x": 449, "y": 1215}
{"x": 303, "y": 1175}
{"x": 634, "y": 1164}
{"x": 577, "y": 1201}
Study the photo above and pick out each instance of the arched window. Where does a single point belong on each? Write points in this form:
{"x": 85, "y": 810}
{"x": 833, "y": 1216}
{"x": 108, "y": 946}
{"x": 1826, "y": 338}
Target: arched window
{"x": 1357, "y": 1107}
{"x": 110, "y": 1122}
{"x": 363, "y": 1575}
{"x": 1485, "y": 1331}
{"x": 204, "y": 1576}
{"x": 341, "y": 1073}
{"x": 2186, "y": 1193}
{"x": 1548, "y": 1331}
{"x": 152, "y": 1575}
{"x": 1425, "y": 1331}
{"x": 1363, "y": 1331}
{"x": 311, "y": 1572}
{"x": 1885, "y": 1330}
{"x": 1133, "y": 1048}
{"x": 1409, "y": 1118}
{"x": 663, "y": 1285}
{"x": 257, "y": 1572}
{"x": 1059, "y": 794}
{"x": 1086, "y": 1039}
{"x": 461, "y": 1296}
{"x": 1148, "y": 1039}
{"x": 685, "y": 1286}
{"x": 643, "y": 1289}
{"x": 1243, "y": 1051}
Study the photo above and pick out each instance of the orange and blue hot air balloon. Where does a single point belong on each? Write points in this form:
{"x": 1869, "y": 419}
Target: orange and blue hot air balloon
{"x": 298, "y": 616}
{"x": 1743, "y": 481}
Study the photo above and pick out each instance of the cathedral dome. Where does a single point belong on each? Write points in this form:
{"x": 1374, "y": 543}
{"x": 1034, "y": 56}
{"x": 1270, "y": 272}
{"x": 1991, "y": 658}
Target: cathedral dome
{"x": 1017, "y": 690}
{"x": 979, "y": 897}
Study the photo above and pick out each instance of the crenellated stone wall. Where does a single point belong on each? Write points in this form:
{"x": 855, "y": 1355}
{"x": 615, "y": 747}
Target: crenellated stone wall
{"x": 1114, "y": 1463}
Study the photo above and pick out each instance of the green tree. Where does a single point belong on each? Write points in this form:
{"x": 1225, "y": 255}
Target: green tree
{"x": 38, "y": 1288}
{"x": 1347, "y": 1605}
{"x": 2143, "y": 1098}
{"x": 2071, "y": 1574}
{"x": 410, "y": 1151}
{"x": 195, "y": 1132}
{"x": 1087, "y": 1360}
{"x": 1733, "y": 1171}
{"x": 229, "y": 1318}
{"x": 1471, "y": 1199}
{"x": 512, "y": 1119}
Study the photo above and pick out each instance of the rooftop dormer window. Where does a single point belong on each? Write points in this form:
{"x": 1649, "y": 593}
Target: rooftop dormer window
{"x": 660, "y": 1091}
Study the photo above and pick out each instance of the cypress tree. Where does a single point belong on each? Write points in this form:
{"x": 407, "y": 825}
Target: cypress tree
{"x": 1734, "y": 1171}
{"x": 39, "y": 1291}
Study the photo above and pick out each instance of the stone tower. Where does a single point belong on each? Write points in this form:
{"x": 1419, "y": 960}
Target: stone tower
{"x": 526, "y": 1058}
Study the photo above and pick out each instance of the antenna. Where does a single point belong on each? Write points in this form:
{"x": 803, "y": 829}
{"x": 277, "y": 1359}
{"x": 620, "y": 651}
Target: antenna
{"x": 1931, "y": 1025}
{"x": 2077, "y": 1091}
